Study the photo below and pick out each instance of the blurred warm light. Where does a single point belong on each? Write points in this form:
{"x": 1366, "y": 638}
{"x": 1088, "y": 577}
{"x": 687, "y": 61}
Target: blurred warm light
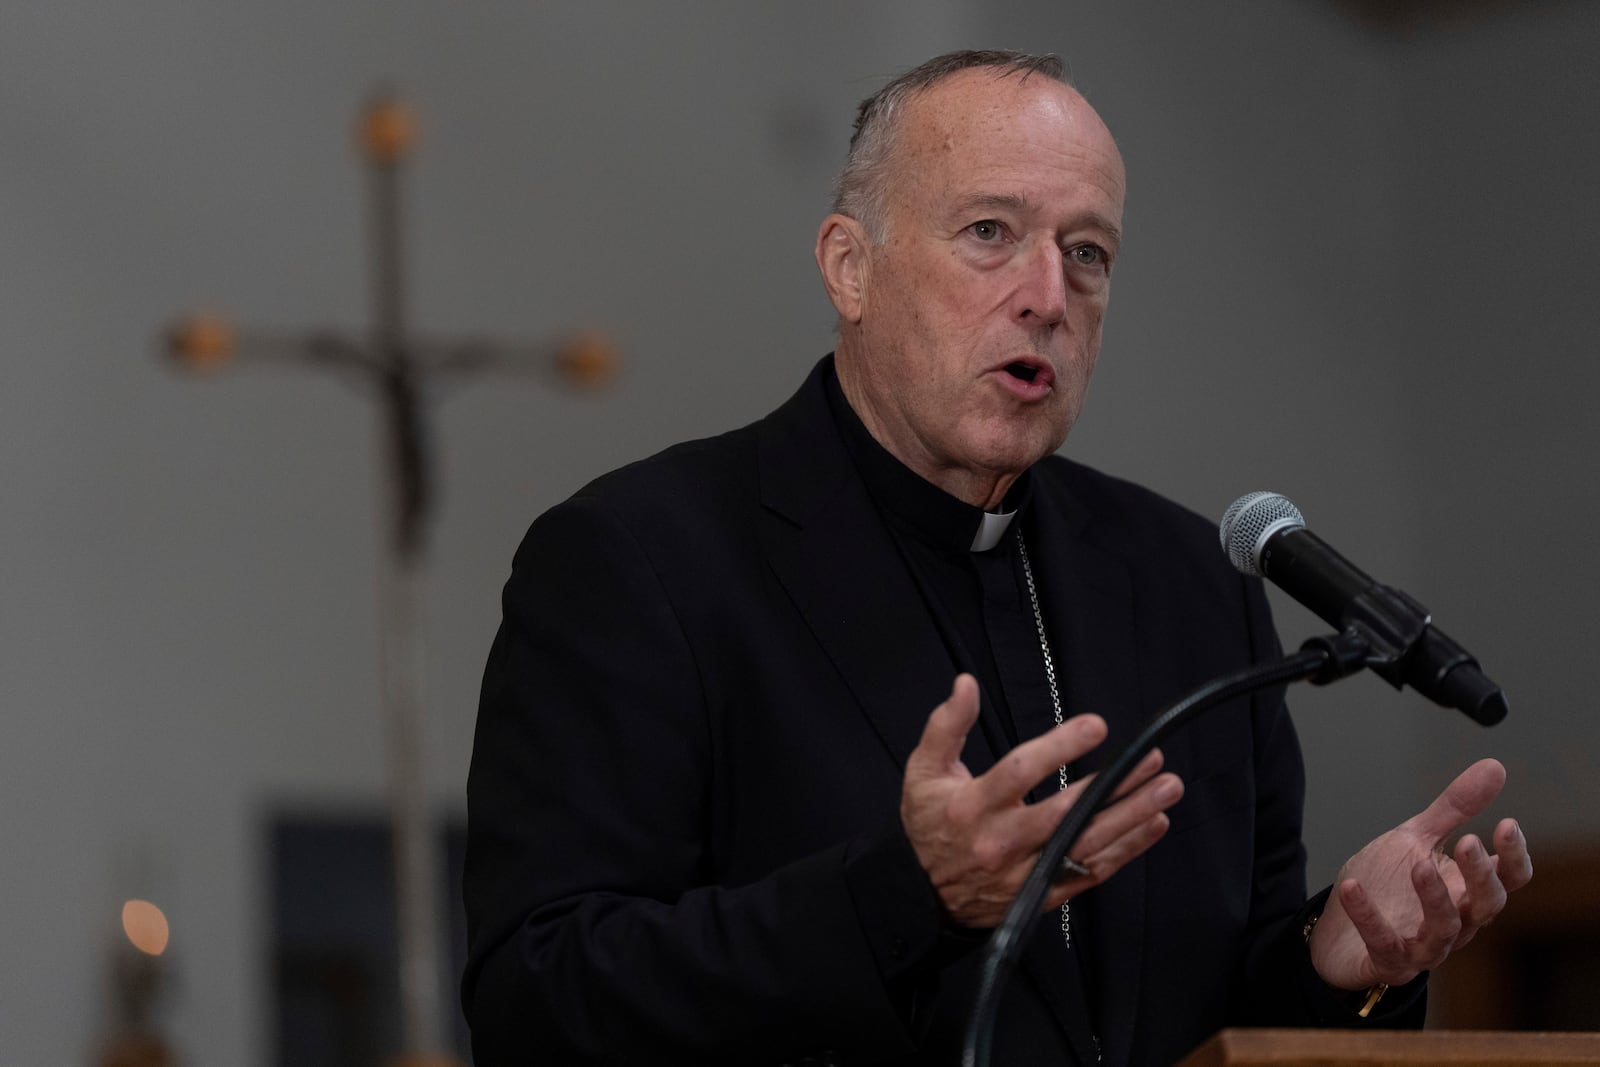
{"x": 588, "y": 359}
{"x": 388, "y": 129}
{"x": 145, "y": 926}
{"x": 137, "y": 1050}
{"x": 201, "y": 341}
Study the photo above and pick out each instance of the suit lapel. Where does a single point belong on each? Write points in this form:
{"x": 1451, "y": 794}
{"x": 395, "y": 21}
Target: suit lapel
{"x": 831, "y": 551}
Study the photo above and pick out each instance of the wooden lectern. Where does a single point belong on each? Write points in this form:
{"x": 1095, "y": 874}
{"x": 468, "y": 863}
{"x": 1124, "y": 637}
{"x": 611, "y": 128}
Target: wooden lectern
{"x": 1394, "y": 1048}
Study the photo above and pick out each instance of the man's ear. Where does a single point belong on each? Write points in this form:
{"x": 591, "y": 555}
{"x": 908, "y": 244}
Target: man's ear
{"x": 842, "y": 257}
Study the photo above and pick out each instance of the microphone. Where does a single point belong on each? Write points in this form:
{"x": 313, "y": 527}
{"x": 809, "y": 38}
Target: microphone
{"x": 1265, "y": 535}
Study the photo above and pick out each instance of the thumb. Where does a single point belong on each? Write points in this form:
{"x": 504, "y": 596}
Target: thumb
{"x": 946, "y": 731}
{"x": 1473, "y": 790}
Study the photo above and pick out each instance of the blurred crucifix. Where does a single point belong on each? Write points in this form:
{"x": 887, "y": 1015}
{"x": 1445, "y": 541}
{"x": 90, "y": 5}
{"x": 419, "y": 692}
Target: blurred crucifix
{"x": 398, "y": 366}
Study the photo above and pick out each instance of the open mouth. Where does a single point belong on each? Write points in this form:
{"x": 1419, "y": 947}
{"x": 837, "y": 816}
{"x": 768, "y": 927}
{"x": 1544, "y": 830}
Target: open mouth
{"x": 1025, "y": 371}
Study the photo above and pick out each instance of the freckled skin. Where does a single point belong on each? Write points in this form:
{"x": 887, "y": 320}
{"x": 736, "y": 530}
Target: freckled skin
{"x": 1002, "y": 223}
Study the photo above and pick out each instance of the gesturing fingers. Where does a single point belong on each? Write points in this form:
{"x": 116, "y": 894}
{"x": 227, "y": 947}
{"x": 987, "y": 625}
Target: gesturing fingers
{"x": 1125, "y": 817}
{"x": 1036, "y": 822}
{"x": 978, "y": 837}
{"x": 1131, "y": 823}
{"x": 1512, "y": 861}
{"x": 1025, "y": 766}
{"x": 1146, "y": 769}
{"x": 1473, "y": 790}
{"x": 1403, "y": 906}
{"x": 1483, "y": 893}
{"x": 1397, "y": 958}
{"x": 946, "y": 730}
{"x": 1123, "y": 831}
{"x": 1487, "y": 880}
{"x": 1012, "y": 832}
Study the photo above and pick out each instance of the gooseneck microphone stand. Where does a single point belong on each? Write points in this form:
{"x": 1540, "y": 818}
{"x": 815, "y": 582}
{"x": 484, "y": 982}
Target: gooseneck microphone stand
{"x": 1320, "y": 660}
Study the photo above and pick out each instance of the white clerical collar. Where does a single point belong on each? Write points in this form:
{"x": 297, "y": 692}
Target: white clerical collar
{"x": 991, "y": 529}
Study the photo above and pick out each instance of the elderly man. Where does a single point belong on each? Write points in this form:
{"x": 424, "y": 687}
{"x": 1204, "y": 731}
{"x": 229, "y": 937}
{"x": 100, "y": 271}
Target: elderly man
{"x": 711, "y": 817}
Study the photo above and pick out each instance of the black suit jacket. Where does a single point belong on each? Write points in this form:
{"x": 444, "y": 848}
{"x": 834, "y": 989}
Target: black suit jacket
{"x": 684, "y": 842}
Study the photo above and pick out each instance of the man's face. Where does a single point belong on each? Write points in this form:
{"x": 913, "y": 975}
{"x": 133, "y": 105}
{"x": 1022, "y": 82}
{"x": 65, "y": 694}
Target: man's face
{"x": 978, "y": 322}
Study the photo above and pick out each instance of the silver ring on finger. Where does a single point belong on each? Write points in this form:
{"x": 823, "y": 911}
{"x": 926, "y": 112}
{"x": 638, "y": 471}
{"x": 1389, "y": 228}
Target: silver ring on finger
{"x": 1069, "y": 868}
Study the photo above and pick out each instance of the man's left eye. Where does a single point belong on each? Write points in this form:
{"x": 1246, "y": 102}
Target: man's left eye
{"x": 1087, "y": 255}
{"x": 987, "y": 230}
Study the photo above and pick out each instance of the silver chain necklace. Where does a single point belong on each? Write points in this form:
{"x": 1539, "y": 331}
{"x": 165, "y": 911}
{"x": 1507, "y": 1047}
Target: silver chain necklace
{"x": 1062, "y": 778}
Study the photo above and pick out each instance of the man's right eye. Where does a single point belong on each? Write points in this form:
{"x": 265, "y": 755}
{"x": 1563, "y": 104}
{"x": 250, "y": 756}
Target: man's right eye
{"x": 987, "y": 230}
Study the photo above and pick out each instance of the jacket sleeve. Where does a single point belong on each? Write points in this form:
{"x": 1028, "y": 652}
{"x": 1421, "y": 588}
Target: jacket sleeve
{"x": 1279, "y": 986}
{"x": 597, "y": 932}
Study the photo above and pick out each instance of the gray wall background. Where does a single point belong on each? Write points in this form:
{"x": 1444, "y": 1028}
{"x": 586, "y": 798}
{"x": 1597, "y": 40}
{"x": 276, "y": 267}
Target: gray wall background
{"x": 1360, "y": 270}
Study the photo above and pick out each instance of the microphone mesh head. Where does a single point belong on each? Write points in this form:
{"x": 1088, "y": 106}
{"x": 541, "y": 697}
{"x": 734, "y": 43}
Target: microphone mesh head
{"x": 1250, "y": 521}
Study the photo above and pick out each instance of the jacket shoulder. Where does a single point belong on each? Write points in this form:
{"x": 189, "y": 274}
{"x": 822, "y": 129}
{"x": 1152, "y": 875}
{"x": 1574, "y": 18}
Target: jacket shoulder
{"x": 1127, "y": 513}
{"x": 688, "y": 499}
{"x": 689, "y": 469}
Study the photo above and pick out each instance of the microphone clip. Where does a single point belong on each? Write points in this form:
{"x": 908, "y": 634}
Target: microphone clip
{"x": 1392, "y": 623}
{"x": 1381, "y": 627}
{"x": 1390, "y": 633}
{"x": 1343, "y": 654}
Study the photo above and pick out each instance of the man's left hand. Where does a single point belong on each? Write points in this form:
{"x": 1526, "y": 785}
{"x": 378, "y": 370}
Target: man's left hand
{"x": 1400, "y": 906}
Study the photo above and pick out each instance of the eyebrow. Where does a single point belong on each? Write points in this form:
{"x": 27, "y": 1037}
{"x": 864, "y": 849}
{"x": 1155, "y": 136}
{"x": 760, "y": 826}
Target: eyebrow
{"x": 1012, "y": 202}
{"x": 1112, "y": 230}
{"x": 1008, "y": 201}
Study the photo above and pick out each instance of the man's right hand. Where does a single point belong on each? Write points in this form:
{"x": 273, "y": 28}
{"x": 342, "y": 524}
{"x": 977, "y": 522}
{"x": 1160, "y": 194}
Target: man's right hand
{"x": 977, "y": 838}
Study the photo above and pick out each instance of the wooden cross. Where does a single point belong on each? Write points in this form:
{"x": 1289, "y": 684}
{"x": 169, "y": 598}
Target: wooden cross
{"x": 397, "y": 364}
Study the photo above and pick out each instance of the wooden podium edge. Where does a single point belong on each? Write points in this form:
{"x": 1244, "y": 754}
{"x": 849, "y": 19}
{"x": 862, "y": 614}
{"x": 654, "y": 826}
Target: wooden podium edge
{"x": 1394, "y": 1048}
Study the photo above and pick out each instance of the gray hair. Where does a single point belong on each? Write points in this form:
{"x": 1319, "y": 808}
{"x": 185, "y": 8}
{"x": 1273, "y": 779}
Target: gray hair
{"x": 862, "y": 190}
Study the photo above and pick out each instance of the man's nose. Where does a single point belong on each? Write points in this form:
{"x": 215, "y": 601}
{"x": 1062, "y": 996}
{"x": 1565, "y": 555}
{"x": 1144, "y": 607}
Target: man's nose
{"x": 1041, "y": 297}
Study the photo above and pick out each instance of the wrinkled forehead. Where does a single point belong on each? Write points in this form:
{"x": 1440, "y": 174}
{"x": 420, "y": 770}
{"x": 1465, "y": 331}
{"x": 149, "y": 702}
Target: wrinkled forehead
{"x": 984, "y": 124}
{"x": 974, "y": 108}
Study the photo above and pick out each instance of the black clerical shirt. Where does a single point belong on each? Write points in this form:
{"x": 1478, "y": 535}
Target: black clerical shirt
{"x": 978, "y": 599}
{"x": 980, "y": 603}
